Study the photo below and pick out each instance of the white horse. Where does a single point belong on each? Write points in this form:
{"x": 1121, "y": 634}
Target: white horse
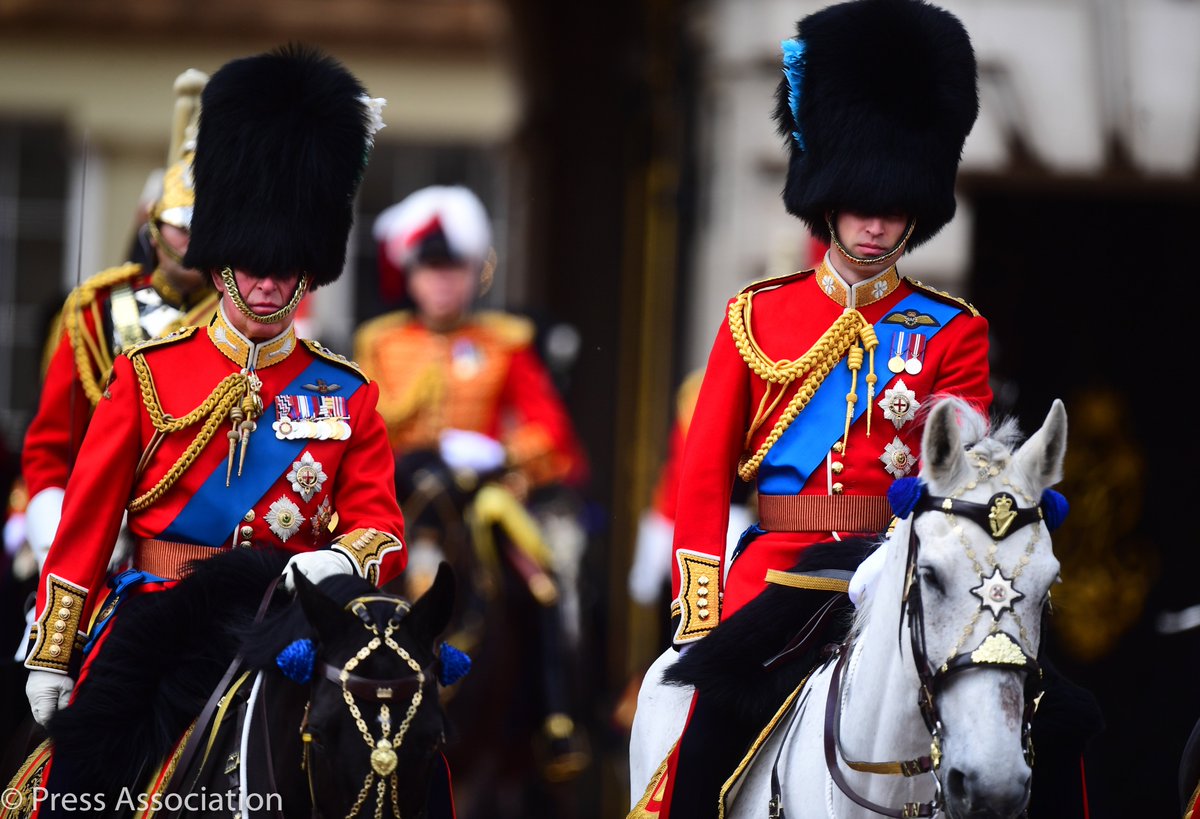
{"x": 930, "y": 697}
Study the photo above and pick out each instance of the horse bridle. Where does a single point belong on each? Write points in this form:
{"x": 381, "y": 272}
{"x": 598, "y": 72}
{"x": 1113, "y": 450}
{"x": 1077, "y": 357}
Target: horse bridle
{"x": 383, "y": 691}
{"x": 1000, "y": 517}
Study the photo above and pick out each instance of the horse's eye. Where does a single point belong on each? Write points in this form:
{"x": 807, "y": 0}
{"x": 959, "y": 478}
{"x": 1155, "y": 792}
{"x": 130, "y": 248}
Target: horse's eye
{"x": 930, "y": 578}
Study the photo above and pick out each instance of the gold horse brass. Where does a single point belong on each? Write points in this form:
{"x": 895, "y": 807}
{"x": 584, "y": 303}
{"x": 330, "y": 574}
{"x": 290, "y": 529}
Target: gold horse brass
{"x": 1001, "y": 516}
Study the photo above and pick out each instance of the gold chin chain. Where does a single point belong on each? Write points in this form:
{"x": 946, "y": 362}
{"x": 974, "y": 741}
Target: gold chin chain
{"x": 235, "y": 295}
{"x": 383, "y": 751}
{"x": 243, "y": 419}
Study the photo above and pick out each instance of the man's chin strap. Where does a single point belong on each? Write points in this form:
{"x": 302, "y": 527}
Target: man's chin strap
{"x": 871, "y": 260}
{"x": 162, "y": 244}
{"x": 235, "y": 295}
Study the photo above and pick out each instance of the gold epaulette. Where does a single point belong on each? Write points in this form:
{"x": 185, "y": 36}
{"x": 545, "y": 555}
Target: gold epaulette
{"x": 775, "y": 281}
{"x": 943, "y": 296}
{"x": 370, "y": 330}
{"x": 512, "y": 331}
{"x": 319, "y": 350}
{"x": 142, "y": 347}
{"x": 93, "y": 358}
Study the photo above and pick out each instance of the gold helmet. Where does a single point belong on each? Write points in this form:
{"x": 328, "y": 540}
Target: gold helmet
{"x": 178, "y": 196}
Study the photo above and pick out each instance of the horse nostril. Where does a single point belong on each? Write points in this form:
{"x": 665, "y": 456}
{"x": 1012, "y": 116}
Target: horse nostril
{"x": 956, "y": 785}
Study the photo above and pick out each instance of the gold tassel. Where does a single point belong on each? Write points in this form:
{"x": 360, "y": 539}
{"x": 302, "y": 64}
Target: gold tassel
{"x": 854, "y": 360}
{"x": 871, "y": 342}
{"x": 235, "y": 417}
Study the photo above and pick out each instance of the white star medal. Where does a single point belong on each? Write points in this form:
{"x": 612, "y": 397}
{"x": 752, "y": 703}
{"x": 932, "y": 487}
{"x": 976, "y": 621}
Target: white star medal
{"x": 899, "y": 404}
{"x": 897, "y": 458}
{"x": 306, "y": 476}
{"x": 284, "y": 518}
{"x": 996, "y": 593}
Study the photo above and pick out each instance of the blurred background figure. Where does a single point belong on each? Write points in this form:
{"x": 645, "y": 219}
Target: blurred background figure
{"x": 489, "y": 471}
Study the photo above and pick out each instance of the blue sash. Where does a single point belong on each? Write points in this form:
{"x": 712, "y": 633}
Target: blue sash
{"x": 210, "y": 515}
{"x": 804, "y": 445}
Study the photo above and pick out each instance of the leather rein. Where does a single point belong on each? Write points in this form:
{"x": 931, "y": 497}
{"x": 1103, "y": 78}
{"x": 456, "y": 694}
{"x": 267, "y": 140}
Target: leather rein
{"x": 932, "y": 679}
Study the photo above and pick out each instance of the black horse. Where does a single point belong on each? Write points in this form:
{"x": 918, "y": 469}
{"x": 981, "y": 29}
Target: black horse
{"x": 320, "y": 704}
{"x": 506, "y": 757}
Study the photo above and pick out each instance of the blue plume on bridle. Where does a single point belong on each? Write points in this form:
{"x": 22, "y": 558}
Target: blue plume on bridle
{"x": 1054, "y": 509}
{"x": 903, "y": 495}
{"x": 296, "y": 661}
{"x": 455, "y": 665}
{"x": 793, "y": 70}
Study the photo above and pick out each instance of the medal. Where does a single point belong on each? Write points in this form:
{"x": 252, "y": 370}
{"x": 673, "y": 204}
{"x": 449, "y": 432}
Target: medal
{"x": 323, "y": 417}
{"x": 916, "y": 351}
{"x": 899, "y": 404}
{"x": 896, "y": 362}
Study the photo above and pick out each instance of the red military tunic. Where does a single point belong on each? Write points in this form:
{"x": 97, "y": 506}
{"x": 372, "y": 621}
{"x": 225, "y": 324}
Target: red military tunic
{"x": 810, "y": 472}
{"x": 483, "y": 376}
{"x": 329, "y": 484}
{"x": 107, "y": 313}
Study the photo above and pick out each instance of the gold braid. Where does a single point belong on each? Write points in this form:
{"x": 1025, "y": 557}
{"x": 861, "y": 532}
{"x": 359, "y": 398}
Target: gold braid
{"x": 214, "y": 410}
{"x": 81, "y": 341}
{"x": 822, "y": 357}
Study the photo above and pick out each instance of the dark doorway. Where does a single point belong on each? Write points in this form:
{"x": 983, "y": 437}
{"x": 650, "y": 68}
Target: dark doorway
{"x": 1088, "y": 290}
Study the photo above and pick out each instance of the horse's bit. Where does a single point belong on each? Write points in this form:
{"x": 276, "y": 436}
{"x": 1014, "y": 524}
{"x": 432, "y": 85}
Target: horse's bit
{"x": 383, "y": 750}
{"x": 1000, "y": 517}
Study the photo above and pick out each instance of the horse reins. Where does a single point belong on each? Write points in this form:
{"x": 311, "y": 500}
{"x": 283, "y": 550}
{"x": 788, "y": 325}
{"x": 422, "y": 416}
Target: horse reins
{"x": 998, "y": 651}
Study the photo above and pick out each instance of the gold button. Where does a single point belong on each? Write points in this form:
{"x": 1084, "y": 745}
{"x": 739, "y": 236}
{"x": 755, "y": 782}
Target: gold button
{"x": 245, "y": 544}
{"x": 702, "y": 614}
{"x": 702, "y": 580}
{"x": 56, "y": 639}
{"x": 249, "y": 516}
{"x": 60, "y": 625}
{"x": 837, "y": 447}
{"x": 247, "y": 531}
{"x": 68, "y": 600}
{"x": 702, "y": 592}
{"x": 54, "y": 651}
{"x": 838, "y": 489}
{"x": 837, "y": 467}
{"x": 64, "y": 613}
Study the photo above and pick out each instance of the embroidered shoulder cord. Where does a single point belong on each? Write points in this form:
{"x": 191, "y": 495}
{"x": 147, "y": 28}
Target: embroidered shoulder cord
{"x": 223, "y": 402}
{"x": 842, "y": 338}
{"x": 93, "y": 361}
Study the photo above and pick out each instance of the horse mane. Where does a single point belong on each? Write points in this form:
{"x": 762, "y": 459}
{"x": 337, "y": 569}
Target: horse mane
{"x": 158, "y": 666}
{"x": 727, "y": 665}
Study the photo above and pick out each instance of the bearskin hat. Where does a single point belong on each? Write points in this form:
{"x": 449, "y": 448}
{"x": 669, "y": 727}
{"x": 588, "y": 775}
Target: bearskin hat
{"x": 876, "y": 101}
{"x": 283, "y": 142}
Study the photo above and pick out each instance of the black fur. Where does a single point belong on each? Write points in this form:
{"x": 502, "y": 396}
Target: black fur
{"x": 163, "y": 658}
{"x": 888, "y": 97}
{"x": 279, "y": 154}
{"x": 726, "y": 667}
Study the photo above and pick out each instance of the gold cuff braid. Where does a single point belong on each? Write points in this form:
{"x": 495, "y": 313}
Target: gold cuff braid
{"x": 58, "y": 626}
{"x": 366, "y": 548}
{"x": 699, "y": 598}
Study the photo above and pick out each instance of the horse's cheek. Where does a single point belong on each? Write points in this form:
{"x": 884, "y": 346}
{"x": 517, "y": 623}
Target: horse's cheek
{"x": 1012, "y": 703}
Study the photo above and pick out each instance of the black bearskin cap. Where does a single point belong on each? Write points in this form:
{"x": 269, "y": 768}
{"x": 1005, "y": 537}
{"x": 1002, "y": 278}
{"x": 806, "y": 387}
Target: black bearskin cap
{"x": 282, "y": 145}
{"x": 887, "y": 96}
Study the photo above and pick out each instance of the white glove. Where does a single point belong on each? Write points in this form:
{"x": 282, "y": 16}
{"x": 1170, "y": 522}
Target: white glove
{"x": 316, "y": 566}
{"x": 651, "y": 567}
{"x": 463, "y": 449}
{"x": 47, "y": 692}
{"x": 41, "y": 521}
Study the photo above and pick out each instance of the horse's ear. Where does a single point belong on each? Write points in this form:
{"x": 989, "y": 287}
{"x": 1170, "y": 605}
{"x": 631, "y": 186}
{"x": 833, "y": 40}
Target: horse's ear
{"x": 322, "y": 613}
{"x": 1040, "y": 458}
{"x": 944, "y": 460}
{"x": 431, "y": 613}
